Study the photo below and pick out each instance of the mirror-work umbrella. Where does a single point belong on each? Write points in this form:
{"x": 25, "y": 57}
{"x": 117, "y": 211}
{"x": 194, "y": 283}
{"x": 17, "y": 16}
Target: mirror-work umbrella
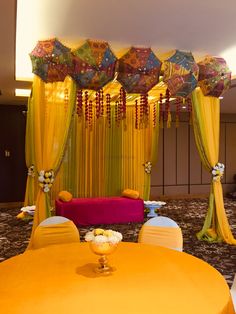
{"x": 139, "y": 70}
{"x": 94, "y": 65}
{"x": 180, "y": 73}
{"x": 214, "y": 76}
{"x": 51, "y": 60}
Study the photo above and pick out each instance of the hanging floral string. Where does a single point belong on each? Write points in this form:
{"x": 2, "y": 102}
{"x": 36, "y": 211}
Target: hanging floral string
{"x": 122, "y": 102}
{"x": 46, "y": 179}
{"x": 97, "y": 104}
{"x": 218, "y": 171}
{"x": 136, "y": 115}
{"x": 90, "y": 109}
{"x": 161, "y": 117}
{"x": 79, "y": 103}
{"x": 108, "y": 109}
{"x": 101, "y": 105}
{"x": 86, "y": 103}
{"x": 117, "y": 120}
{"x": 167, "y": 109}
{"x": 154, "y": 115}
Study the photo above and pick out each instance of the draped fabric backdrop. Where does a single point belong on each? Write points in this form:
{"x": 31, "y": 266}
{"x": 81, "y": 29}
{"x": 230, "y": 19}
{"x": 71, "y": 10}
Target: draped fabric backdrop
{"x": 206, "y": 125}
{"x": 102, "y": 160}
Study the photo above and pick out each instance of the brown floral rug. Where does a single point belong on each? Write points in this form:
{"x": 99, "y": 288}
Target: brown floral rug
{"x": 189, "y": 214}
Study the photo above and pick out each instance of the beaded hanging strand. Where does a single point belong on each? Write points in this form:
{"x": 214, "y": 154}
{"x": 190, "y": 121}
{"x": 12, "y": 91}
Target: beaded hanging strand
{"x": 108, "y": 109}
{"x": 79, "y": 103}
{"x": 161, "y": 117}
{"x": 86, "y": 109}
{"x": 167, "y": 109}
{"x": 90, "y": 115}
{"x": 136, "y": 115}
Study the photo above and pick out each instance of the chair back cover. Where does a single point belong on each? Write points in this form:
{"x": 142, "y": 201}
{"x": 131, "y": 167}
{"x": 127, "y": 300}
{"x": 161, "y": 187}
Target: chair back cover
{"x": 162, "y": 231}
{"x": 55, "y": 230}
{"x": 233, "y": 292}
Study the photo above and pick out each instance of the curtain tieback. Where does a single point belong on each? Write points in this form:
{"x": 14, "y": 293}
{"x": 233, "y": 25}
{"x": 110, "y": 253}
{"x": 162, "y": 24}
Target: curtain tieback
{"x": 31, "y": 172}
{"x": 218, "y": 171}
{"x": 46, "y": 179}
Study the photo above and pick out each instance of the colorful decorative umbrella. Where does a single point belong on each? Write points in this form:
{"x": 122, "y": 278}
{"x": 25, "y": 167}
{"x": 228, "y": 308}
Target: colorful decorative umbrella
{"x": 51, "y": 60}
{"x": 94, "y": 65}
{"x": 180, "y": 73}
{"x": 214, "y": 76}
{"x": 139, "y": 70}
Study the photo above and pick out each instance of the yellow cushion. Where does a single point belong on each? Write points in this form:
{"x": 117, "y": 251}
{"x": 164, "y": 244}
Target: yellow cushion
{"x": 130, "y": 193}
{"x": 65, "y": 196}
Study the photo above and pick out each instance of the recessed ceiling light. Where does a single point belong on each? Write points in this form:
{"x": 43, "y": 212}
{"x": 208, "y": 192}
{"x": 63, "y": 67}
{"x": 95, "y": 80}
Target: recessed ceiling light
{"x": 22, "y": 92}
{"x": 183, "y": 107}
{"x": 221, "y": 97}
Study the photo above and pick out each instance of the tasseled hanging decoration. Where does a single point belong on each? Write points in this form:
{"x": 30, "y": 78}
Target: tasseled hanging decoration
{"x": 178, "y": 102}
{"x": 189, "y": 108}
{"x": 136, "y": 114}
{"x": 154, "y": 115}
{"x": 66, "y": 99}
{"x": 145, "y": 109}
{"x": 97, "y": 104}
{"x": 108, "y": 109}
{"x": 86, "y": 108}
{"x": 161, "y": 116}
{"x": 101, "y": 105}
{"x": 117, "y": 114}
{"x": 79, "y": 103}
{"x": 167, "y": 109}
{"x": 90, "y": 115}
{"x": 141, "y": 112}
{"x": 122, "y": 103}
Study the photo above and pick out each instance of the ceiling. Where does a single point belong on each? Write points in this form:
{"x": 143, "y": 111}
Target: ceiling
{"x": 205, "y": 28}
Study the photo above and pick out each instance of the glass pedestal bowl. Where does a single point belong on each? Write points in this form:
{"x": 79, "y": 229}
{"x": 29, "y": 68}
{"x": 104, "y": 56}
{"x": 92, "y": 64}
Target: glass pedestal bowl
{"x": 103, "y": 249}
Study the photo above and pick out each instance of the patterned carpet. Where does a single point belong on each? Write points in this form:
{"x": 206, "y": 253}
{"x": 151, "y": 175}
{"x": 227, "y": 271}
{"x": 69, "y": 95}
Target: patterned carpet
{"x": 189, "y": 214}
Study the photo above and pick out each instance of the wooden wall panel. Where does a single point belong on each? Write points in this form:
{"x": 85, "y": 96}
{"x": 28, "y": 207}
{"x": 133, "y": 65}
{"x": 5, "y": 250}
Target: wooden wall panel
{"x": 170, "y": 156}
{"x": 182, "y": 153}
{"x": 157, "y": 169}
{"x": 230, "y": 169}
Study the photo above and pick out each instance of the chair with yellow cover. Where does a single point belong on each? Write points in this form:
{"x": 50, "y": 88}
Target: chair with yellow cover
{"x": 233, "y": 292}
{"x": 55, "y": 230}
{"x": 162, "y": 231}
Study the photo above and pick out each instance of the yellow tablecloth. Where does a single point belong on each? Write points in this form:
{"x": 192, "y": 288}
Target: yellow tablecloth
{"x": 148, "y": 279}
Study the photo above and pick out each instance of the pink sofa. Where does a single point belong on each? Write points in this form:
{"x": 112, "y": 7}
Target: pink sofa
{"x": 101, "y": 210}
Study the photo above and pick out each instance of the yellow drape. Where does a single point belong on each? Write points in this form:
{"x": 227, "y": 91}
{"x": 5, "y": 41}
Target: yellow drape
{"x": 52, "y": 106}
{"x": 206, "y": 124}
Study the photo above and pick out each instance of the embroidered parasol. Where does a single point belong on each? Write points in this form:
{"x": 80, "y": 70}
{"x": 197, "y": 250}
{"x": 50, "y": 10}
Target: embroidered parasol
{"x": 180, "y": 73}
{"x": 94, "y": 65}
{"x": 214, "y": 76}
{"x": 51, "y": 60}
{"x": 139, "y": 70}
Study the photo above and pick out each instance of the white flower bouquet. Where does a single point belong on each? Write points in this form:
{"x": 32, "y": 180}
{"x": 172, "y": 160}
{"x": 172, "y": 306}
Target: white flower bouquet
{"x": 103, "y": 236}
{"x": 218, "y": 171}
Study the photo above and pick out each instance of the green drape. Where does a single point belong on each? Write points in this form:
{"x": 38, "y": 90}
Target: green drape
{"x": 206, "y": 124}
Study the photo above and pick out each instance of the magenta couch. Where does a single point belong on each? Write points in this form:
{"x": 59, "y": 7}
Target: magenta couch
{"x": 101, "y": 210}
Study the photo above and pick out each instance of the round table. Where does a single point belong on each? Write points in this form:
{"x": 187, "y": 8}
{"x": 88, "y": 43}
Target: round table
{"x": 148, "y": 279}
